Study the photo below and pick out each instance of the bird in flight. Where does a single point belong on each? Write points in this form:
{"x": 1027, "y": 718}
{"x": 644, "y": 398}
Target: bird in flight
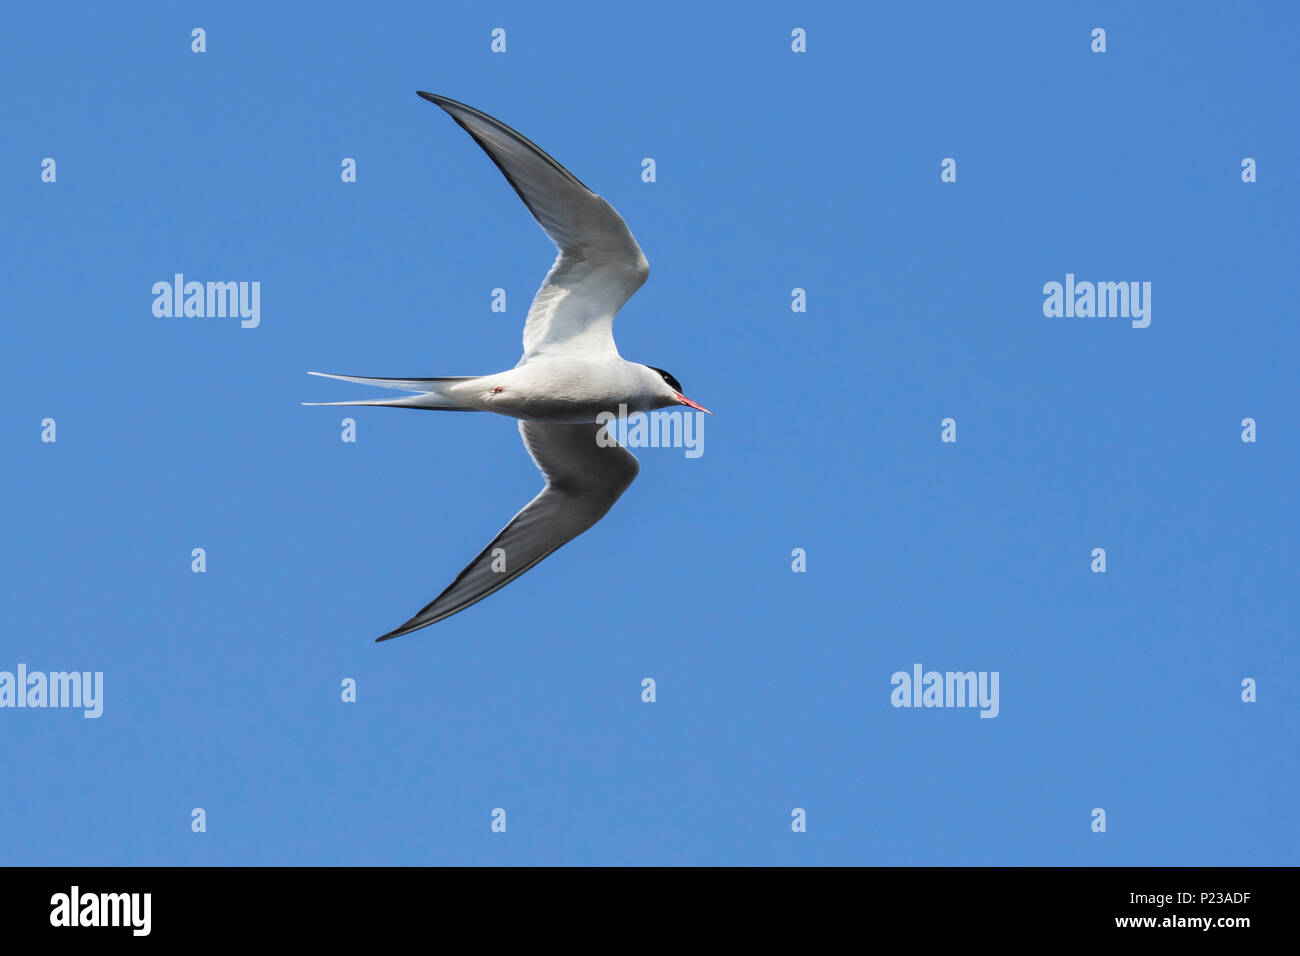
{"x": 570, "y": 372}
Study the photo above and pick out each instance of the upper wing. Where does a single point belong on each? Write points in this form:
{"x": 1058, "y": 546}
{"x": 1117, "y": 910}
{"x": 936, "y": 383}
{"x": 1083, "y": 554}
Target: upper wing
{"x": 599, "y": 265}
{"x": 583, "y": 480}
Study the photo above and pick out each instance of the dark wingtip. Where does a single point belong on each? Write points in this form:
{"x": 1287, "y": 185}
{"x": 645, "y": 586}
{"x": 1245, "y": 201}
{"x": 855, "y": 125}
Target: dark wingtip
{"x": 399, "y": 631}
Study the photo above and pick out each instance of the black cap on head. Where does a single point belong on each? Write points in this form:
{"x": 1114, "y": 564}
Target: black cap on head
{"x": 676, "y": 385}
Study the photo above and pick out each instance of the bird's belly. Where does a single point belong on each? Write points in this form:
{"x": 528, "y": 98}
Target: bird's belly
{"x": 560, "y": 396}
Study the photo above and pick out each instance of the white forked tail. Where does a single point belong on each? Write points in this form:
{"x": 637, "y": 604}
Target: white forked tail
{"x": 429, "y": 392}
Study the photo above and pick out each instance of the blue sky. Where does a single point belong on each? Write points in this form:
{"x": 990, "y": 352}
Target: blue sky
{"x": 775, "y": 170}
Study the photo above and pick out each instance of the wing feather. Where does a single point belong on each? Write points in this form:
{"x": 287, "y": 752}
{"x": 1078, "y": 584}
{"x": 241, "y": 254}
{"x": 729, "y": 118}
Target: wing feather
{"x": 583, "y": 480}
{"x": 600, "y": 264}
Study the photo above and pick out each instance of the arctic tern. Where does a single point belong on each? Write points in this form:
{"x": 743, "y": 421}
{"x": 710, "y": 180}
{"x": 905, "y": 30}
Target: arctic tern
{"x": 570, "y": 372}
